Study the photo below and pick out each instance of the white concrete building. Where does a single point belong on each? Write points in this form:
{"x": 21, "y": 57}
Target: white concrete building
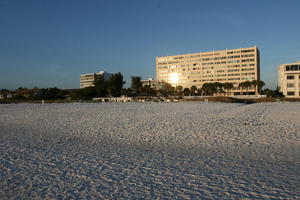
{"x": 87, "y": 80}
{"x": 224, "y": 66}
{"x": 153, "y": 83}
{"x": 289, "y": 79}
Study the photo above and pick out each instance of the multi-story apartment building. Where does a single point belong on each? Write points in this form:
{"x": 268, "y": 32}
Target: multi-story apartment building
{"x": 289, "y": 79}
{"x": 87, "y": 80}
{"x": 225, "y": 66}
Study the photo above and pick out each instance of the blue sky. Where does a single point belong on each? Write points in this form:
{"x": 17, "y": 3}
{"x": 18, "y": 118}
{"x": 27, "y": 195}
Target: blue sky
{"x": 49, "y": 43}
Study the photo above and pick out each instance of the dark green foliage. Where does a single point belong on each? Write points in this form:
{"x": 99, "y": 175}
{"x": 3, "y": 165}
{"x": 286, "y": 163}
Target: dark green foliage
{"x": 18, "y": 97}
{"x": 255, "y": 83}
{"x": 273, "y": 93}
{"x": 148, "y": 91}
{"x": 258, "y": 85}
{"x": 100, "y": 87}
{"x": 124, "y": 91}
{"x": 228, "y": 86}
{"x": 83, "y": 93}
{"x": 170, "y": 90}
{"x": 49, "y": 94}
{"x": 103, "y": 88}
{"x": 179, "y": 89}
{"x": 162, "y": 92}
{"x": 115, "y": 84}
{"x": 136, "y": 84}
{"x": 209, "y": 89}
{"x": 186, "y": 91}
{"x": 4, "y": 90}
{"x": 193, "y": 90}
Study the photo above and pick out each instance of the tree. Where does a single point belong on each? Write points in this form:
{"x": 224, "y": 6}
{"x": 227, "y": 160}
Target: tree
{"x": 100, "y": 86}
{"x": 148, "y": 90}
{"x": 124, "y": 91}
{"x": 115, "y": 84}
{"x": 200, "y": 91}
{"x": 178, "y": 89}
{"x": 209, "y": 88}
{"x": 193, "y": 90}
{"x": 258, "y": 84}
{"x": 273, "y": 93}
{"x": 168, "y": 88}
{"x": 136, "y": 84}
{"x": 162, "y": 92}
{"x": 218, "y": 87}
{"x": 87, "y": 93}
{"x": 245, "y": 84}
{"x": 50, "y": 94}
{"x": 186, "y": 91}
{"x": 4, "y": 90}
{"x": 228, "y": 87}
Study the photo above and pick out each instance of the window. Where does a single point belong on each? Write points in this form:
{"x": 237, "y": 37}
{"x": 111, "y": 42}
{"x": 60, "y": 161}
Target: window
{"x": 290, "y": 77}
{"x": 233, "y": 61}
{"x": 290, "y": 93}
{"x": 292, "y": 68}
{"x": 290, "y": 85}
{"x": 233, "y": 70}
{"x": 248, "y": 60}
{"x": 248, "y": 69}
{"x": 248, "y": 55}
{"x": 249, "y": 50}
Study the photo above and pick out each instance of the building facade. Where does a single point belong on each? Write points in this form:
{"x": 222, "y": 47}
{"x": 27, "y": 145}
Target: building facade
{"x": 289, "y": 79}
{"x": 87, "y": 80}
{"x": 225, "y": 66}
{"x": 153, "y": 83}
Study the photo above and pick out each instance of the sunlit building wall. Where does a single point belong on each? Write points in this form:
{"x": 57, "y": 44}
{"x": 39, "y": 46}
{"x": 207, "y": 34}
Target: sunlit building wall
{"x": 87, "y": 80}
{"x": 233, "y": 66}
{"x": 289, "y": 79}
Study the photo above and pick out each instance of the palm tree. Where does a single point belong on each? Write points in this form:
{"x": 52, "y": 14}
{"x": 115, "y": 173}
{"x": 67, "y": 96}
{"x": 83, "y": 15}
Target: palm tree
{"x": 246, "y": 84}
{"x": 186, "y": 91}
{"x": 179, "y": 89}
{"x": 258, "y": 84}
{"x": 219, "y": 87}
{"x": 169, "y": 88}
{"x": 193, "y": 90}
{"x": 228, "y": 87}
{"x": 200, "y": 91}
{"x": 241, "y": 85}
{"x": 136, "y": 84}
{"x": 209, "y": 88}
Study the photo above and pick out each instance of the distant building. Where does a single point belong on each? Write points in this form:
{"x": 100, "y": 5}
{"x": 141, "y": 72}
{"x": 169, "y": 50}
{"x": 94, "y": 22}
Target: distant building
{"x": 225, "y": 66}
{"x": 153, "y": 83}
{"x": 26, "y": 92}
{"x": 6, "y": 94}
{"x": 289, "y": 79}
{"x": 87, "y": 80}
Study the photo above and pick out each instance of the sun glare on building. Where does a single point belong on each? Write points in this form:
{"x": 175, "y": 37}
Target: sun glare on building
{"x": 174, "y": 78}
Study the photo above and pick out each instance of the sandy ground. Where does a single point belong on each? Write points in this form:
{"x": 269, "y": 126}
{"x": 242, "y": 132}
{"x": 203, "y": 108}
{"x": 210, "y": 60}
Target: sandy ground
{"x": 150, "y": 151}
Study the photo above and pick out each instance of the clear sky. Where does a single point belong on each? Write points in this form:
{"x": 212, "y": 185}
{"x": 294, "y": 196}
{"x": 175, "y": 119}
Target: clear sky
{"x": 49, "y": 43}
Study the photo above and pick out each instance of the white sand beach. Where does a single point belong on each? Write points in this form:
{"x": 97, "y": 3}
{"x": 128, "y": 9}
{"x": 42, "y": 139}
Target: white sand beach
{"x": 190, "y": 150}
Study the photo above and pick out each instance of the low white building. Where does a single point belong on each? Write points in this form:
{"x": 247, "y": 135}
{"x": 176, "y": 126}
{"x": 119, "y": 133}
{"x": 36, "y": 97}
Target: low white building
{"x": 87, "y": 80}
{"x": 153, "y": 83}
{"x": 289, "y": 79}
